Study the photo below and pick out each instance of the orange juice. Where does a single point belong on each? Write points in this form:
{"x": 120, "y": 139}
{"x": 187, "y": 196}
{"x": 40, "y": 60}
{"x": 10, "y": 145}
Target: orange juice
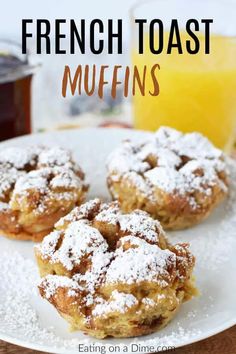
{"x": 197, "y": 92}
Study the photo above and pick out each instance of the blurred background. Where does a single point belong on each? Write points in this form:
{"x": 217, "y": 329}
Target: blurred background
{"x": 198, "y": 92}
{"x": 49, "y": 109}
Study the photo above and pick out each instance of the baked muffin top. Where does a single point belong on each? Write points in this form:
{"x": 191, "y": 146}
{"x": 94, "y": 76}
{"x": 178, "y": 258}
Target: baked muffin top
{"x": 32, "y": 176}
{"x": 173, "y": 162}
{"x": 98, "y": 252}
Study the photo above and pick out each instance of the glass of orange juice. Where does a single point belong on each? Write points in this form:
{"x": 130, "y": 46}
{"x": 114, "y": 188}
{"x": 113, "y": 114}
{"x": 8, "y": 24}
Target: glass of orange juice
{"x": 197, "y": 91}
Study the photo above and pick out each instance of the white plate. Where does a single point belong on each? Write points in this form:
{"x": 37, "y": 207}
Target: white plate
{"x": 28, "y": 320}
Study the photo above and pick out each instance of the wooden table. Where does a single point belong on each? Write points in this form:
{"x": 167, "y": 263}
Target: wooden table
{"x": 223, "y": 343}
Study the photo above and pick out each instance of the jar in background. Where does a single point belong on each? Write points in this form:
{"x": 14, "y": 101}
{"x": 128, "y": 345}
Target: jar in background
{"x": 15, "y": 91}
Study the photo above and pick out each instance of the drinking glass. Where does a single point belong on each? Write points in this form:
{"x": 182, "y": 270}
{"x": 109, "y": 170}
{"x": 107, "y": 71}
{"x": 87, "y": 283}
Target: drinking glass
{"x": 197, "y": 91}
{"x": 15, "y": 90}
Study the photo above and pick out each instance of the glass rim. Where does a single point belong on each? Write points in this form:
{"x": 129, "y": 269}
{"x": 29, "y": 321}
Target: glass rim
{"x": 16, "y": 45}
{"x": 139, "y": 4}
{"x": 25, "y": 67}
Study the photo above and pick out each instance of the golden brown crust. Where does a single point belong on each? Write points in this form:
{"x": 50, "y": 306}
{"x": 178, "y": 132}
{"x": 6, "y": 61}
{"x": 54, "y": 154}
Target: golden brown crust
{"x": 114, "y": 274}
{"x": 173, "y": 211}
{"x": 130, "y": 324}
{"x": 177, "y": 178}
{"x": 24, "y": 236}
{"x": 37, "y": 187}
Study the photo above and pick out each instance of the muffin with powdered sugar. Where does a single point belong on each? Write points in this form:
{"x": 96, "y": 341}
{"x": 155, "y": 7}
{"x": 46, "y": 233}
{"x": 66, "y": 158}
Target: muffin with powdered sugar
{"x": 177, "y": 178}
{"x": 114, "y": 274}
{"x": 38, "y": 185}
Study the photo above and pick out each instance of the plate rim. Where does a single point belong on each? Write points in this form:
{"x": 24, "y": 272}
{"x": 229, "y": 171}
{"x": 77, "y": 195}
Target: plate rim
{"x": 47, "y": 349}
{"x": 71, "y": 130}
{"x": 50, "y": 349}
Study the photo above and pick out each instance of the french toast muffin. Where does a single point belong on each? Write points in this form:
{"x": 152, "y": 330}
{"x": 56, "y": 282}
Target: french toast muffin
{"x": 38, "y": 185}
{"x": 113, "y": 274}
{"x": 177, "y": 178}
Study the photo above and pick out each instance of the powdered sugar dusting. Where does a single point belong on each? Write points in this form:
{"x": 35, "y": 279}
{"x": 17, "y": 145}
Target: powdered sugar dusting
{"x": 79, "y": 213}
{"x": 17, "y": 157}
{"x": 22, "y": 319}
{"x": 55, "y": 156}
{"x": 8, "y": 178}
{"x": 80, "y": 240}
{"x": 125, "y": 159}
{"x": 139, "y": 223}
{"x": 52, "y": 282}
{"x": 193, "y": 145}
{"x": 109, "y": 213}
{"x": 33, "y": 180}
{"x": 218, "y": 244}
{"x": 48, "y": 247}
{"x": 143, "y": 186}
{"x": 141, "y": 262}
{"x": 48, "y": 173}
{"x": 93, "y": 259}
{"x": 120, "y": 302}
{"x": 148, "y": 302}
{"x": 173, "y": 162}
